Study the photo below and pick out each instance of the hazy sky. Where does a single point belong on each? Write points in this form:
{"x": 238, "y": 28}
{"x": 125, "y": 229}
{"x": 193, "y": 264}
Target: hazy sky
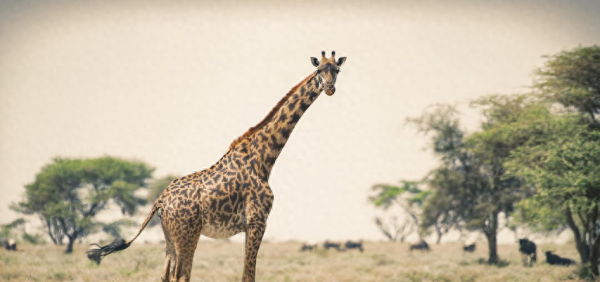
{"x": 174, "y": 84}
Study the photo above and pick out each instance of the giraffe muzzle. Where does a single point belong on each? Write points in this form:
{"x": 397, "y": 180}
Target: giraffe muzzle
{"x": 330, "y": 90}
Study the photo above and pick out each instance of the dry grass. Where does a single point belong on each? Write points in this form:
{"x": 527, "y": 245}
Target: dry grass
{"x": 222, "y": 261}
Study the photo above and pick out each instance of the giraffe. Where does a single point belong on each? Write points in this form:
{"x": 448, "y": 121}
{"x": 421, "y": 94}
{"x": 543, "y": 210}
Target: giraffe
{"x": 233, "y": 195}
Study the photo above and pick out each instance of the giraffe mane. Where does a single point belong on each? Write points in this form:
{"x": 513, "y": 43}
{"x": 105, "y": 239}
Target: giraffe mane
{"x": 270, "y": 115}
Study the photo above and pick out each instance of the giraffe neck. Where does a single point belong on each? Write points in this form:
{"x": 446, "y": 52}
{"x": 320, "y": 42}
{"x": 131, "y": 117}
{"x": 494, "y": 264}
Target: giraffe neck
{"x": 267, "y": 139}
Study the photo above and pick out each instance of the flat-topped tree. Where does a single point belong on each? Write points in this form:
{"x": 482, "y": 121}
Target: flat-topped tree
{"x": 233, "y": 195}
{"x": 68, "y": 193}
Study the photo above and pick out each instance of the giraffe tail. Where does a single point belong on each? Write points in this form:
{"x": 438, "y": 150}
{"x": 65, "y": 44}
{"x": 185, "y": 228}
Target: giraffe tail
{"x": 96, "y": 253}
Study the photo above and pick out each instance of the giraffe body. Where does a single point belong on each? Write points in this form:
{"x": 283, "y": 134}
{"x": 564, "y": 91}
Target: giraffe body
{"x": 233, "y": 195}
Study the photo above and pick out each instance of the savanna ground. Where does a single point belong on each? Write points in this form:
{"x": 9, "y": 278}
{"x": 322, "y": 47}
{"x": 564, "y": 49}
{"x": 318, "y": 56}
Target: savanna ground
{"x": 223, "y": 261}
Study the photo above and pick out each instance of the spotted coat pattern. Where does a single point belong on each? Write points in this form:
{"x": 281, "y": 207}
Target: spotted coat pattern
{"x": 233, "y": 195}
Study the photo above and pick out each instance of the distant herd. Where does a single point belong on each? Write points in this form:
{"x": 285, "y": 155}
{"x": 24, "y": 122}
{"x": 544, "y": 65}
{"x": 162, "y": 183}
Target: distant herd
{"x": 349, "y": 245}
{"x": 527, "y": 248}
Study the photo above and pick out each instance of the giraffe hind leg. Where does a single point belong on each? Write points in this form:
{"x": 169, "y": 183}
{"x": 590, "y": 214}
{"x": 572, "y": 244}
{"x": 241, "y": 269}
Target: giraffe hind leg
{"x": 181, "y": 236}
{"x": 170, "y": 255}
{"x": 165, "y": 276}
{"x": 185, "y": 246}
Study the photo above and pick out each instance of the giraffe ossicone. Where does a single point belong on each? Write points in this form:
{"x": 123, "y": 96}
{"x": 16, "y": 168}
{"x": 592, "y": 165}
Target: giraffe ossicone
{"x": 233, "y": 195}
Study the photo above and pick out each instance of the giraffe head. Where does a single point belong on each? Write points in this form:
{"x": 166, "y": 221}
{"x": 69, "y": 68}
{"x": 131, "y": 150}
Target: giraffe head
{"x": 327, "y": 71}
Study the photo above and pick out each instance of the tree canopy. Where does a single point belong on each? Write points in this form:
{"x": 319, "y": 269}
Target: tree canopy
{"x": 560, "y": 156}
{"x": 469, "y": 188}
{"x": 67, "y": 194}
{"x": 572, "y": 78}
{"x": 563, "y": 166}
{"x": 535, "y": 158}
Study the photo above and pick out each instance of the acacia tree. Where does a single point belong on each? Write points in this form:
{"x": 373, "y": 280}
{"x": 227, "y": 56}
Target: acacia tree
{"x": 561, "y": 157}
{"x": 563, "y": 166}
{"x": 497, "y": 141}
{"x": 395, "y": 229}
{"x": 468, "y": 188}
{"x": 16, "y": 229}
{"x": 67, "y": 194}
{"x": 8, "y": 230}
{"x": 409, "y": 198}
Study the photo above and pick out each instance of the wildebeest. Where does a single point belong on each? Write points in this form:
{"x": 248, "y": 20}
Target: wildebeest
{"x": 420, "y": 246}
{"x": 330, "y": 245}
{"x": 354, "y": 245}
{"x": 10, "y": 245}
{"x": 528, "y": 251}
{"x": 556, "y": 260}
{"x": 306, "y": 247}
{"x": 469, "y": 248}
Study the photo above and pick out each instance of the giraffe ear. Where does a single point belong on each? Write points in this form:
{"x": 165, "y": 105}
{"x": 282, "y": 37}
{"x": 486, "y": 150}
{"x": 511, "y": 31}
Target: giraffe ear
{"x": 341, "y": 61}
{"x": 314, "y": 61}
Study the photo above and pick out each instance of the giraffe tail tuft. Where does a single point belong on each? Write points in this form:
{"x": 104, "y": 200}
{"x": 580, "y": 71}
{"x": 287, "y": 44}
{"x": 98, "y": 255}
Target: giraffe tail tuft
{"x": 100, "y": 252}
{"x": 97, "y": 252}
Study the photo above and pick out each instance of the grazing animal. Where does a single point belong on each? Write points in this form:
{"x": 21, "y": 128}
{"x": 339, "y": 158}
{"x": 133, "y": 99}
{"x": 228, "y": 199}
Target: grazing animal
{"x": 330, "y": 245}
{"x": 306, "y": 247}
{"x": 556, "y": 260}
{"x": 233, "y": 195}
{"x": 469, "y": 248}
{"x": 423, "y": 246}
{"x": 10, "y": 245}
{"x": 354, "y": 245}
{"x": 528, "y": 251}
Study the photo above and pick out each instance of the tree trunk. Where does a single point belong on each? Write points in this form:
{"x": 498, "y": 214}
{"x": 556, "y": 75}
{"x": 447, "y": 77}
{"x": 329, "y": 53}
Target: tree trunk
{"x": 70, "y": 245}
{"x": 49, "y": 228}
{"x": 439, "y": 235}
{"x": 384, "y": 230}
{"x": 492, "y": 237}
{"x": 594, "y": 258}
{"x": 54, "y": 234}
{"x": 493, "y": 248}
{"x": 72, "y": 239}
{"x": 579, "y": 241}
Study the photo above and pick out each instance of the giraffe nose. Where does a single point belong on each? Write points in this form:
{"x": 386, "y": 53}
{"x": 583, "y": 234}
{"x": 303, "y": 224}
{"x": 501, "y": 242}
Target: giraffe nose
{"x": 330, "y": 90}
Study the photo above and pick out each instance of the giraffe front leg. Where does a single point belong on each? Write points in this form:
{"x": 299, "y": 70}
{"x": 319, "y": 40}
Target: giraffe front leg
{"x": 254, "y": 234}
